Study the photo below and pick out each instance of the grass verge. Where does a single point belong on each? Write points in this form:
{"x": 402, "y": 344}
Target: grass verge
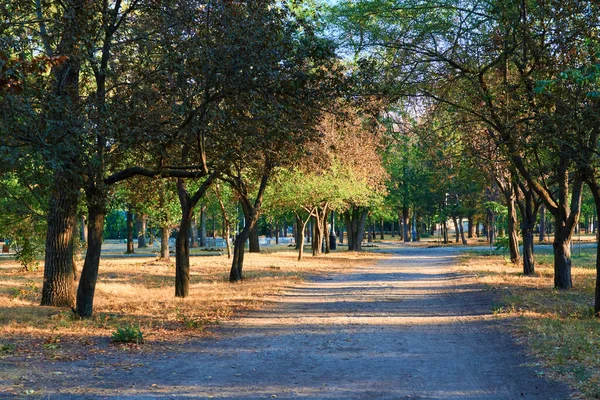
{"x": 140, "y": 292}
{"x": 557, "y": 326}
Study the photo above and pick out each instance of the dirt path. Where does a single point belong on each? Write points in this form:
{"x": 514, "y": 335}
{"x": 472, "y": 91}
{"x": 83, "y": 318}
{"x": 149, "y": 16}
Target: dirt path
{"x": 407, "y": 328}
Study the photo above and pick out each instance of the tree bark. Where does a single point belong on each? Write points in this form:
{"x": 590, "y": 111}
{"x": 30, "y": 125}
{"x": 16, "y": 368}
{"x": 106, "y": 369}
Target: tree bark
{"x": 89, "y": 272}
{"x": 462, "y": 231}
{"x": 405, "y": 225}
{"x": 141, "y": 223}
{"x": 193, "y": 232}
{"x": 542, "y": 223}
{"x": 299, "y": 232}
{"x": 58, "y": 287}
{"x": 253, "y": 238}
{"x": 129, "y": 232}
{"x": 470, "y": 228}
{"x": 456, "y": 230}
{"x": 182, "y": 252}
{"x": 513, "y": 238}
{"x": 165, "y": 233}
{"x": 355, "y": 220}
{"x": 84, "y": 230}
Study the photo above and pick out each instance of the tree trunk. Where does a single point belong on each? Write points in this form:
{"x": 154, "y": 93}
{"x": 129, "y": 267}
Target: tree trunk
{"x": 235, "y": 274}
{"x": 300, "y": 227}
{"x": 355, "y": 220}
{"x": 456, "y": 230}
{"x": 193, "y": 233}
{"x": 405, "y": 225}
{"x": 182, "y": 242}
{"x": 182, "y": 252}
{"x": 542, "y": 223}
{"x": 470, "y": 228}
{"x": 254, "y": 245}
{"x": 299, "y": 232}
{"x": 58, "y": 287}
{"x": 141, "y": 223}
{"x": 462, "y": 231}
{"x": 165, "y": 233}
{"x": 445, "y": 231}
{"x": 84, "y": 230}
{"x": 562, "y": 260}
{"x": 89, "y": 273}
{"x": 129, "y": 232}
{"x": 513, "y": 237}
{"x": 202, "y": 229}
{"x": 528, "y": 257}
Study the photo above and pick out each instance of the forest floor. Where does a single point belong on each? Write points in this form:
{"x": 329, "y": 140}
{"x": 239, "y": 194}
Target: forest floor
{"x": 407, "y": 326}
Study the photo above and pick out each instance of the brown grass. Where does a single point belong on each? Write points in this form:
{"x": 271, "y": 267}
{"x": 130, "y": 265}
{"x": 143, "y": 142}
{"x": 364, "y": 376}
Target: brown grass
{"x": 140, "y": 291}
{"x": 557, "y": 326}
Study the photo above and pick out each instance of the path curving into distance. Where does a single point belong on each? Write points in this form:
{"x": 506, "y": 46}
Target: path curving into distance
{"x": 406, "y": 328}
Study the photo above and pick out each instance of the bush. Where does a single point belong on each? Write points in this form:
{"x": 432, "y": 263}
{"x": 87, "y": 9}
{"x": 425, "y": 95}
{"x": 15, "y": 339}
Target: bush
{"x": 27, "y": 253}
{"x": 128, "y": 334}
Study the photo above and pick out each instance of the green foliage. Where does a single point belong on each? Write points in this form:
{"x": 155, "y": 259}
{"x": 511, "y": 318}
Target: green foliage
{"x": 27, "y": 252}
{"x": 128, "y": 334}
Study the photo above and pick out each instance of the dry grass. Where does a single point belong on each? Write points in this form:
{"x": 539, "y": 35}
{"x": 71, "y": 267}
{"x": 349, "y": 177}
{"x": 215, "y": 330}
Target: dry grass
{"x": 557, "y": 326}
{"x": 140, "y": 291}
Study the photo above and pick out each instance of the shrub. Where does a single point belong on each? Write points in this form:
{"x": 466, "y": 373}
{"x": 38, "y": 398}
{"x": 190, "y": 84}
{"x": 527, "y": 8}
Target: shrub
{"x": 128, "y": 334}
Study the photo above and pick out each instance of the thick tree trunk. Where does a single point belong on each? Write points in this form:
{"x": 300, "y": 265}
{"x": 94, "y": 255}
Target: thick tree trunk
{"x": 254, "y": 245}
{"x": 89, "y": 273}
{"x": 562, "y": 260}
{"x": 182, "y": 252}
{"x": 58, "y": 287}
{"x": 528, "y": 257}
{"x": 235, "y": 274}
{"x": 470, "y": 228}
{"x": 405, "y": 224}
{"x": 165, "y": 233}
{"x": 299, "y": 233}
{"x": 129, "y": 232}
{"x": 317, "y": 241}
{"x": 355, "y": 220}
